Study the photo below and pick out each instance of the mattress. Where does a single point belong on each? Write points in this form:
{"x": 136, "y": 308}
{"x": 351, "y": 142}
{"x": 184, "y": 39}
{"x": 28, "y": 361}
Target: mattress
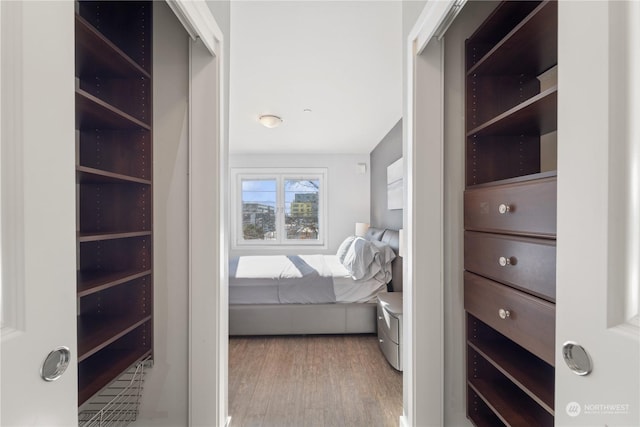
{"x": 297, "y": 279}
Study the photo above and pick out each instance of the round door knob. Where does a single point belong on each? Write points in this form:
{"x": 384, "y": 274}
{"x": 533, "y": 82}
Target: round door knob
{"x": 503, "y": 209}
{"x": 504, "y": 313}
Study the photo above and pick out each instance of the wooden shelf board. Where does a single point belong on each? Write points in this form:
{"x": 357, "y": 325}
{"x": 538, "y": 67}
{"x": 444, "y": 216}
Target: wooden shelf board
{"x": 508, "y": 14}
{"x": 529, "y": 373}
{"x": 524, "y": 178}
{"x": 481, "y": 420}
{"x": 90, "y": 282}
{"x": 97, "y": 332}
{"x": 87, "y": 175}
{"x": 93, "y": 47}
{"x": 537, "y": 115}
{"x": 530, "y": 48}
{"x": 499, "y": 397}
{"x": 94, "y": 237}
{"x": 112, "y": 364}
{"x": 92, "y": 112}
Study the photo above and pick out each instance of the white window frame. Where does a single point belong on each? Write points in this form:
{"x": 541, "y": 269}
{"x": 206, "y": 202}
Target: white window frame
{"x": 280, "y": 175}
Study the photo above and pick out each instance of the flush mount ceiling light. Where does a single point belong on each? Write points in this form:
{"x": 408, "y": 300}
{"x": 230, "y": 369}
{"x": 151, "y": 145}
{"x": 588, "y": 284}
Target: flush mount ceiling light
{"x": 270, "y": 121}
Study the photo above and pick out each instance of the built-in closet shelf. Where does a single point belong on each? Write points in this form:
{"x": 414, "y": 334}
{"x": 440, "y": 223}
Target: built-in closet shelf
{"x": 515, "y": 180}
{"x": 114, "y": 191}
{"x": 94, "y": 237}
{"x": 97, "y": 332}
{"x": 103, "y": 367}
{"x": 97, "y": 55}
{"x": 530, "y": 374}
{"x": 501, "y": 21}
{"x": 504, "y": 400}
{"x": 537, "y": 115}
{"x": 92, "y": 112}
{"x": 479, "y": 413}
{"x": 530, "y": 48}
{"x": 90, "y": 282}
{"x": 87, "y": 175}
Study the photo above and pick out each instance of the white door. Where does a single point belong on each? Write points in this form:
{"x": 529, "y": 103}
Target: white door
{"x": 598, "y": 260}
{"x": 38, "y": 211}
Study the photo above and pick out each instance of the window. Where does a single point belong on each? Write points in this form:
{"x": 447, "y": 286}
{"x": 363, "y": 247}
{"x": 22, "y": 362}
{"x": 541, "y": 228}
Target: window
{"x": 276, "y": 208}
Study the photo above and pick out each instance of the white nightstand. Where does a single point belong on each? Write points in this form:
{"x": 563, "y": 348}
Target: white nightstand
{"x": 390, "y": 327}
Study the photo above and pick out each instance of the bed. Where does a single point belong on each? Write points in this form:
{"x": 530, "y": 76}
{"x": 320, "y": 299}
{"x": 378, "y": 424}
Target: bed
{"x": 260, "y": 305}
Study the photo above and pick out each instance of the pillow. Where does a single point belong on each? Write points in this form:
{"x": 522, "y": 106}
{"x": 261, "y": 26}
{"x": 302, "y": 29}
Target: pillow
{"x": 360, "y": 257}
{"x": 344, "y": 247}
{"x": 386, "y": 252}
{"x": 374, "y": 234}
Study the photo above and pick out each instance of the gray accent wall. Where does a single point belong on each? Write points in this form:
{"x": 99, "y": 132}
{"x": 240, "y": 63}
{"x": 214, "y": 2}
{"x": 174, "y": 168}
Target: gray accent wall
{"x": 386, "y": 152}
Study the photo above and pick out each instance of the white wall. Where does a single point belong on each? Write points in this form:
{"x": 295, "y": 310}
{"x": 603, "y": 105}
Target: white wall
{"x": 164, "y": 400}
{"x": 464, "y": 25}
{"x": 348, "y": 198}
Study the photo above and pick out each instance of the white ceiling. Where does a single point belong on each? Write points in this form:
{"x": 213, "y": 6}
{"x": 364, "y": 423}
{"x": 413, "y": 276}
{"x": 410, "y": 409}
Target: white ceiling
{"x": 341, "y": 59}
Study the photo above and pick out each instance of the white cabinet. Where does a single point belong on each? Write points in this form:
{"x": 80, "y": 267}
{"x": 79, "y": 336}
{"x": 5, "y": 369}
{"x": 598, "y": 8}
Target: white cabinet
{"x": 390, "y": 327}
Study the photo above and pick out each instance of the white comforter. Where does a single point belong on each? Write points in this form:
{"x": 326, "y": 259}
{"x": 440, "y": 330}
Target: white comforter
{"x": 281, "y": 279}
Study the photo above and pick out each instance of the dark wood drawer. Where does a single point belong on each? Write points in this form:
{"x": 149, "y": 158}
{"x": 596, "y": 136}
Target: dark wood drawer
{"x": 526, "y": 263}
{"x": 527, "y": 208}
{"x": 523, "y": 318}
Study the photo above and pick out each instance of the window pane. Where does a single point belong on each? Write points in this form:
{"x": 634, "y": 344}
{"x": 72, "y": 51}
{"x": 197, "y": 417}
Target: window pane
{"x": 259, "y": 209}
{"x": 301, "y": 208}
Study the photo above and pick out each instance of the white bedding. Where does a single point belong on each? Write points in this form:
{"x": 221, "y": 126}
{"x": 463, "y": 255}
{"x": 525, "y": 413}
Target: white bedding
{"x": 277, "y": 279}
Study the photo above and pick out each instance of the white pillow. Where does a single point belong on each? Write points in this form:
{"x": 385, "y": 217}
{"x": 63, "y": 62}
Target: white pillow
{"x": 386, "y": 253}
{"x": 360, "y": 257}
{"x": 344, "y": 247}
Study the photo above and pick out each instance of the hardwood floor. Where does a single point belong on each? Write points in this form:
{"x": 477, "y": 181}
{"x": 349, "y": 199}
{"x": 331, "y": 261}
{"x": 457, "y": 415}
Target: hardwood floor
{"x": 335, "y": 380}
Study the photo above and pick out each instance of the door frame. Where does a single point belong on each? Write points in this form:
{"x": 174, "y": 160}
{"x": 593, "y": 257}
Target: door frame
{"x": 423, "y": 145}
{"x": 208, "y": 246}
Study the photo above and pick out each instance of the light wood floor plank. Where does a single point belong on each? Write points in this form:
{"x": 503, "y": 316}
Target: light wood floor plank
{"x": 315, "y": 381}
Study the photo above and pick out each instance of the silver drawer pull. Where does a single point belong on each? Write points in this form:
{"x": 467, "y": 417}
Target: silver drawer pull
{"x": 379, "y": 317}
{"x": 504, "y": 313}
{"x": 504, "y": 261}
{"x": 381, "y": 340}
{"x": 503, "y": 209}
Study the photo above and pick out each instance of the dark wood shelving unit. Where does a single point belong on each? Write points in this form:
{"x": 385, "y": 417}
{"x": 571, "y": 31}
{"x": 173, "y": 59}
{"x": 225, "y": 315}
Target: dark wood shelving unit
{"x": 479, "y": 412}
{"x": 98, "y": 332}
{"x": 530, "y": 374}
{"x": 98, "y": 56}
{"x": 114, "y": 178}
{"x": 96, "y": 281}
{"x": 509, "y": 404}
{"x": 87, "y": 175}
{"x": 99, "y": 370}
{"x": 530, "y": 48}
{"x": 537, "y": 115}
{"x": 510, "y": 209}
{"x": 98, "y": 114}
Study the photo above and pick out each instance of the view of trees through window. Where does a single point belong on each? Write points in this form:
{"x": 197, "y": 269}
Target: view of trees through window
{"x": 294, "y": 205}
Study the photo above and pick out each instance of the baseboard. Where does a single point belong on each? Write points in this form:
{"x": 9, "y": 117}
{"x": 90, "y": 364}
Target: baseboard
{"x": 403, "y": 421}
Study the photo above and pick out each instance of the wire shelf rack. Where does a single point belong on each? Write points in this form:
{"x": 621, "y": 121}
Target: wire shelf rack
{"x": 118, "y": 403}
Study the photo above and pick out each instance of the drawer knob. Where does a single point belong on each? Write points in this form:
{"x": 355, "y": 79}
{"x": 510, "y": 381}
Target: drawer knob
{"x": 503, "y": 208}
{"x": 381, "y": 340}
{"x": 504, "y": 313}
{"x": 379, "y": 317}
{"x": 504, "y": 261}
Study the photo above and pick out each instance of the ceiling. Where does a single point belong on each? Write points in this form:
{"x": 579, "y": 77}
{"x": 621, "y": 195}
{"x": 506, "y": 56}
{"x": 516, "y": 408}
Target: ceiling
{"x": 340, "y": 59}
